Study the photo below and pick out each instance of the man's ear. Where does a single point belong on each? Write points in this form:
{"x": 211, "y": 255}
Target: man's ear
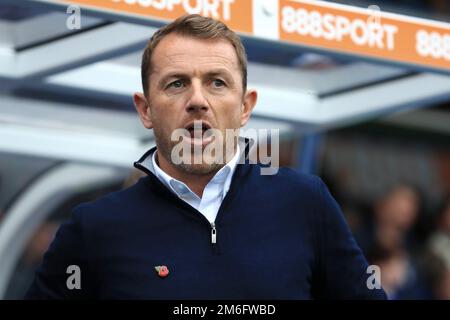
{"x": 248, "y": 104}
{"x": 143, "y": 109}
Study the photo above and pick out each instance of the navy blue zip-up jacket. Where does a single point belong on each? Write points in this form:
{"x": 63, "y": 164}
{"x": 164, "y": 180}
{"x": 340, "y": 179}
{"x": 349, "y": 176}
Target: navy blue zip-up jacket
{"x": 278, "y": 236}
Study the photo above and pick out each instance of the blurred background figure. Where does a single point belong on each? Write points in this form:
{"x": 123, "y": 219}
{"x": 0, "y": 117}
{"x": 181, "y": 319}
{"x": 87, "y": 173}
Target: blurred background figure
{"x": 400, "y": 277}
{"x": 440, "y": 240}
{"x": 395, "y": 215}
{"x": 391, "y": 244}
{"x": 439, "y": 251}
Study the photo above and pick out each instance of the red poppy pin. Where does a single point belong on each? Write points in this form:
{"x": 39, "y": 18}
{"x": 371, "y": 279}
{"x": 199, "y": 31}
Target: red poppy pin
{"x": 163, "y": 271}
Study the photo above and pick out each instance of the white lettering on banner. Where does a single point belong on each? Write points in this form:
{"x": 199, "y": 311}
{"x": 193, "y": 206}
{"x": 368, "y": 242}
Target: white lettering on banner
{"x": 335, "y": 28}
{"x": 210, "y": 8}
{"x": 433, "y": 45}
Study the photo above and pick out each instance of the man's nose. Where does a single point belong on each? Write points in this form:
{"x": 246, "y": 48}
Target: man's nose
{"x": 197, "y": 101}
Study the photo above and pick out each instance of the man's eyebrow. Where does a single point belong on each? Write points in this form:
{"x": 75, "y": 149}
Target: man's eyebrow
{"x": 218, "y": 72}
{"x": 174, "y": 74}
{"x": 210, "y": 73}
{"x": 224, "y": 73}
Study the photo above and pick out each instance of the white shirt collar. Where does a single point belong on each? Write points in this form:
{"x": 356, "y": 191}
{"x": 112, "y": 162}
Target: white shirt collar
{"x": 222, "y": 178}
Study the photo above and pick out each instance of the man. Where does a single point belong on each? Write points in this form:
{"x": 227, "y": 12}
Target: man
{"x": 198, "y": 227}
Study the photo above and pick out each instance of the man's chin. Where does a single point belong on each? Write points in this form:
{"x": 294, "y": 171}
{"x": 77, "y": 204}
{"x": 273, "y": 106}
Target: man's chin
{"x": 201, "y": 168}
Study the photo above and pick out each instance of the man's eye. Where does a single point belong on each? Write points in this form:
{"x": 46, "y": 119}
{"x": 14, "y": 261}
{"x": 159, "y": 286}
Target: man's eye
{"x": 218, "y": 83}
{"x": 176, "y": 84}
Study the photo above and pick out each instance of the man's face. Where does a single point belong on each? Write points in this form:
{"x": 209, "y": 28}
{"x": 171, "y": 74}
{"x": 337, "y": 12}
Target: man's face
{"x": 195, "y": 81}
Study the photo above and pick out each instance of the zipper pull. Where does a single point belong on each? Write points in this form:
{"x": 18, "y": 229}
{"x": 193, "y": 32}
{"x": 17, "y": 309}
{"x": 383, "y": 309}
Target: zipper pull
{"x": 213, "y": 233}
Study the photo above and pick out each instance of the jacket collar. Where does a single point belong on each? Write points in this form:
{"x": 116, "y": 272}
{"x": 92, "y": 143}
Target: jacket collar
{"x": 145, "y": 163}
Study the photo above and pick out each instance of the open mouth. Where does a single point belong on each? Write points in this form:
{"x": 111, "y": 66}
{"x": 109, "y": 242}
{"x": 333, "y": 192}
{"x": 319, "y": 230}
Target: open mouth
{"x": 199, "y": 132}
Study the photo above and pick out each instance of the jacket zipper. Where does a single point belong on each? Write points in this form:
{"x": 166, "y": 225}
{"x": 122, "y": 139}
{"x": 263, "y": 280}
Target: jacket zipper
{"x": 212, "y": 224}
{"x": 213, "y": 233}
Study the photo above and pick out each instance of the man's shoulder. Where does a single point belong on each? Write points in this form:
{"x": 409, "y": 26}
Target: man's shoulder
{"x": 112, "y": 204}
{"x": 291, "y": 178}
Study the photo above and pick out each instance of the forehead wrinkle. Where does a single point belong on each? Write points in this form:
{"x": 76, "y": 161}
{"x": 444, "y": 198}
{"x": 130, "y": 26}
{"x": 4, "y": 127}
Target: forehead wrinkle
{"x": 183, "y": 57}
{"x": 174, "y": 64}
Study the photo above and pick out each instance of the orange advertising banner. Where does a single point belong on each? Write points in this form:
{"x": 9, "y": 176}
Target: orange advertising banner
{"x": 370, "y": 33}
{"x": 365, "y": 32}
{"x": 237, "y": 14}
